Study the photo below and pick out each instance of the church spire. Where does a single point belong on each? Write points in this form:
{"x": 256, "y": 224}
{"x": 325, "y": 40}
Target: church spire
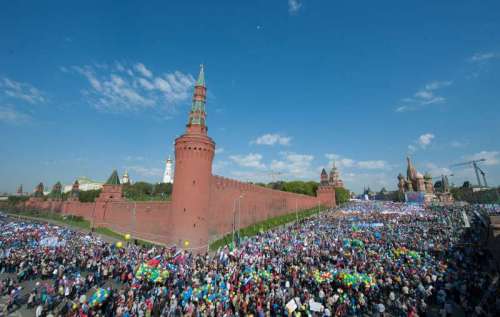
{"x": 197, "y": 116}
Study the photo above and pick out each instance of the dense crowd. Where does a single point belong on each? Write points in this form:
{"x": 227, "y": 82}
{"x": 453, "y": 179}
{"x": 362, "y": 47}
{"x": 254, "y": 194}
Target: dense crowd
{"x": 383, "y": 259}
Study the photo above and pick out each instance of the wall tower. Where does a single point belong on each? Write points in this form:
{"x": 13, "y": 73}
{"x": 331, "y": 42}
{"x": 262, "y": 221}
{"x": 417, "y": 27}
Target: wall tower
{"x": 194, "y": 153}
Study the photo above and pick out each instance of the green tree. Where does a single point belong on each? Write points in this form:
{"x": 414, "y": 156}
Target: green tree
{"x": 341, "y": 195}
{"x": 89, "y": 196}
{"x": 163, "y": 189}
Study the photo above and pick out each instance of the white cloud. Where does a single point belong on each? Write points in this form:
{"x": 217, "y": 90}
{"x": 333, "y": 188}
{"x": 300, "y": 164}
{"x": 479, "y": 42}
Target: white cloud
{"x": 145, "y": 171}
{"x": 379, "y": 164}
{"x": 133, "y": 158}
{"x": 436, "y": 170}
{"x": 357, "y": 181}
{"x": 424, "y": 97}
{"x": 438, "y": 84}
{"x": 251, "y": 160}
{"x": 251, "y": 176}
{"x": 422, "y": 142}
{"x": 458, "y": 144}
{"x": 425, "y": 139}
{"x": 219, "y": 166}
{"x": 344, "y": 162}
{"x": 491, "y": 157}
{"x": 485, "y": 56}
{"x": 219, "y": 150}
{"x": 12, "y": 116}
{"x": 146, "y": 84}
{"x": 294, "y": 6}
{"x": 294, "y": 165}
{"x": 23, "y": 91}
{"x": 143, "y": 70}
{"x": 289, "y": 166}
{"x": 412, "y": 148}
{"x": 119, "y": 89}
{"x": 272, "y": 139}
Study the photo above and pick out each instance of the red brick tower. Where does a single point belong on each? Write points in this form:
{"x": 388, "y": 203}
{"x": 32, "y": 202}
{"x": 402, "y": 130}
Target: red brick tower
{"x": 326, "y": 191}
{"x": 194, "y": 152}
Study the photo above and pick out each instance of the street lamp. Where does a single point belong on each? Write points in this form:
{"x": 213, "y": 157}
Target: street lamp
{"x": 239, "y": 214}
{"x": 296, "y": 211}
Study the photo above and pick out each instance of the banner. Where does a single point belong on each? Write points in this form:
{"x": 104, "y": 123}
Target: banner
{"x": 415, "y": 197}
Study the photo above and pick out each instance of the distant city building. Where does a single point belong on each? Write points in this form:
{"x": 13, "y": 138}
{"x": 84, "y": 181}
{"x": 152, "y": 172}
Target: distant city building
{"x": 334, "y": 178}
{"x": 414, "y": 181}
{"x": 56, "y": 192}
{"x": 324, "y": 178}
{"x": 168, "y": 176}
{"x": 75, "y": 191}
{"x": 84, "y": 184}
{"x": 39, "y": 190}
{"x": 125, "y": 178}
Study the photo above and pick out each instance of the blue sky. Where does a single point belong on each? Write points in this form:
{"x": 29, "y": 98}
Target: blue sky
{"x": 292, "y": 84}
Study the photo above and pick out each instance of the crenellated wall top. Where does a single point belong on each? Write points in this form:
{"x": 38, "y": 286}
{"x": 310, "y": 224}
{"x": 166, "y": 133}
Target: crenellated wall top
{"x": 222, "y": 183}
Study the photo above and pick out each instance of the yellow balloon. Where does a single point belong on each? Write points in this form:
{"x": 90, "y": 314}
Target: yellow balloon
{"x": 119, "y": 244}
{"x": 127, "y": 236}
{"x": 186, "y": 243}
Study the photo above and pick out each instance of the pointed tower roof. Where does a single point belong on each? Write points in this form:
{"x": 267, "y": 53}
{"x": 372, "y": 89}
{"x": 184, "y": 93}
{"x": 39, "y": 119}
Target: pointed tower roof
{"x": 113, "y": 179}
{"x": 201, "y": 76}
{"x": 410, "y": 171}
{"x": 323, "y": 172}
{"x": 197, "y": 115}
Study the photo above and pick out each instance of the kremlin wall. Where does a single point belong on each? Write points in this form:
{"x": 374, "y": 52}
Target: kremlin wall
{"x": 204, "y": 207}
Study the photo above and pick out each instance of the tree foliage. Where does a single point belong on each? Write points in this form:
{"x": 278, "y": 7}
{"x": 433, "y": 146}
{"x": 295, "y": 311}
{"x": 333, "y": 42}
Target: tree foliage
{"x": 14, "y": 200}
{"x": 88, "y": 196}
{"x": 476, "y": 197}
{"x": 298, "y": 187}
{"x": 342, "y": 195}
{"x": 141, "y": 191}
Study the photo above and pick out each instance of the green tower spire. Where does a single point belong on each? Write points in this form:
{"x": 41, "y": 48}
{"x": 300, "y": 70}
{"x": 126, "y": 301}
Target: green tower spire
{"x": 113, "y": 179}
{"x": 201, "y": 77}
{"x": 197, "y": 116}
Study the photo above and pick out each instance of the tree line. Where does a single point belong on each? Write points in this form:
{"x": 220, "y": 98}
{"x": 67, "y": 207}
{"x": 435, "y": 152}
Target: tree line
{"x": 309, "y": 188}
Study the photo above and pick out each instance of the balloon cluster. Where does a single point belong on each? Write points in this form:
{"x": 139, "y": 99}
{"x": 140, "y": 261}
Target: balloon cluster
{"x": 98, "y": 297}
{"x": 345, "y": 277}
{"x": 151, "y": 273}
{"x": 404, "y": 251}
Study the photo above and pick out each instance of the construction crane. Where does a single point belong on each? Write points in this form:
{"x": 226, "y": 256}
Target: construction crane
{"x": 477, "y": 169}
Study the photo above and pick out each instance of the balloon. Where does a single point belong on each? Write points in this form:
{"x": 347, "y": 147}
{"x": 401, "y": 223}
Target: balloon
{"x": 127, "y": 236}
{"x": 119, "y": 244}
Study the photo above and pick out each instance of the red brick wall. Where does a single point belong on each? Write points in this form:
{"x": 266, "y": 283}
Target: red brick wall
{"x": 158, "y": 221}
{"x": 258, "y": 203}
{"x": 147, "y": 220}
{"x": 49, "y": 205}
{"x": 77, "y": 208}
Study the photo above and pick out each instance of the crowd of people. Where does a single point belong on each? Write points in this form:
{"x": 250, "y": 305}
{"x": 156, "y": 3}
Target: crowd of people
{"x": 382, "y": 259}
